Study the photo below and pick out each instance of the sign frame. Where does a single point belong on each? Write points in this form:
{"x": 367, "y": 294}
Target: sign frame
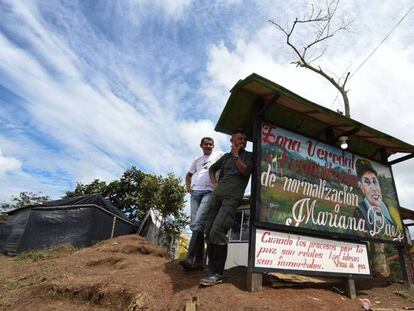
{"x": 255, "y": 210}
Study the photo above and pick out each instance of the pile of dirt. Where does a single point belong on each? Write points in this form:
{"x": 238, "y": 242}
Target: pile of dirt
{"x": 129, "y": 273}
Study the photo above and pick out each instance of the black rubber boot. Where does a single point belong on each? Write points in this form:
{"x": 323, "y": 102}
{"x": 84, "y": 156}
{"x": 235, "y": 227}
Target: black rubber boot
{"x": 200, "y": 252}
{"x": 216, "y": 264}
{"x": 210, "y": 255}
{"x": 220, "y": 256}
{"x": 195, "y": 256}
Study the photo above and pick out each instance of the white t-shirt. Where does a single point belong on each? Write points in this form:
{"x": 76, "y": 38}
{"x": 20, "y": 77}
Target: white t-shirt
{"x": 199, "y": 168}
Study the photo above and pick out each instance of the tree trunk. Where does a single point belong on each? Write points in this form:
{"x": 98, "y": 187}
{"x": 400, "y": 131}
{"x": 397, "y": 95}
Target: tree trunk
{"x": 379, "y": 260}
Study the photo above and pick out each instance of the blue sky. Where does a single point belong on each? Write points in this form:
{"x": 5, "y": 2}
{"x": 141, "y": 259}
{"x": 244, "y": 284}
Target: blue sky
{"x": 89, "y": 88}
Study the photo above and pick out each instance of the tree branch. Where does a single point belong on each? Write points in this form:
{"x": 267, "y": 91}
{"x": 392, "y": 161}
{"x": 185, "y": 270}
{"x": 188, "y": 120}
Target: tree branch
{"x": 322, "y": 20}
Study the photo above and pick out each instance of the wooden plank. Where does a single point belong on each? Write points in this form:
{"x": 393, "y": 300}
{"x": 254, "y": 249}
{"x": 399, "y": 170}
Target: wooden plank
{"x": 308, "y": 279}
{"x": 191, "y": 305}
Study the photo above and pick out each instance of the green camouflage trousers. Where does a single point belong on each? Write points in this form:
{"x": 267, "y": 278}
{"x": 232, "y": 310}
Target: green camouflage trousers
{"x": 220, "y": 218}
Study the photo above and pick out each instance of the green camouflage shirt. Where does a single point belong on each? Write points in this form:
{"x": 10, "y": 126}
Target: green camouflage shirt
{"x": 232, "y": 183}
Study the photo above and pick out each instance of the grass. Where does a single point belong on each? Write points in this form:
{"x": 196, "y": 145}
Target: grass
{"x": 57, "y": 251}
{"x": 29, "y": 256}
{"x": 11, "y": 284}
{"x": 404, "y": 294}
{"x": 63, "y": 249}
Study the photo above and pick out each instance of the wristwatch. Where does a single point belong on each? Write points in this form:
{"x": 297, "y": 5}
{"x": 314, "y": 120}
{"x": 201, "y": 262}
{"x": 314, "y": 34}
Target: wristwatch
{"x": 235, "y": 157}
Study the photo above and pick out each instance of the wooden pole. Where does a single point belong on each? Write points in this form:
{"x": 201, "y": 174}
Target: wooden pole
{"x": 406, "y": 267}
{"x": 113, "y": 227}
{"x": 254, "y": 281}
{"x": 350, "y": 288}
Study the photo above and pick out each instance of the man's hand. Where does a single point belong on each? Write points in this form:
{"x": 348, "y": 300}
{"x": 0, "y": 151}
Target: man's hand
{"x": 240, "y": 165}
{"x": 235, "y": 149}
{"x": 213, "y": 179}
{"x": 188, "y": 182}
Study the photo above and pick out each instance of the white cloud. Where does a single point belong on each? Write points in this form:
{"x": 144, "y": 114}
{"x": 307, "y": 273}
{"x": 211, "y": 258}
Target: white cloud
{"x": 174, "y": 9}
{"x": 8, "y": 164}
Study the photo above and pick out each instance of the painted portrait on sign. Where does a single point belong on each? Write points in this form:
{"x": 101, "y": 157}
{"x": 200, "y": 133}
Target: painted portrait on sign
{"x": 318, "y": 187}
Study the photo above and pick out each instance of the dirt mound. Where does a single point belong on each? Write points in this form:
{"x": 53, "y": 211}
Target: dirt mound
{"x": 130, "y": 273}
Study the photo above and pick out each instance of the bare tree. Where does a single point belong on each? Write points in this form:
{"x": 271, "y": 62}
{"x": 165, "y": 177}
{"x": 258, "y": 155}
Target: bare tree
{"x": 322, "y": 21}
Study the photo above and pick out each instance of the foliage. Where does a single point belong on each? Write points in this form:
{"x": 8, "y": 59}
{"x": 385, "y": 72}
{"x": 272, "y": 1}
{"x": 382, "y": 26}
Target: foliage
{"x": 404, "y": 294}
{"x": 171, "y": 194}
{"x": 29, "y": 256}
{"x": 136, "y": 192}
{"x": 24, "y": 199}
{"x": 3, "y": 217}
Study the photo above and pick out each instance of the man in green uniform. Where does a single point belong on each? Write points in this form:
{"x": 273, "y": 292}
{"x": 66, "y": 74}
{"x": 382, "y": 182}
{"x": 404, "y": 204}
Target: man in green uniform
{"x": 235, "y": 168}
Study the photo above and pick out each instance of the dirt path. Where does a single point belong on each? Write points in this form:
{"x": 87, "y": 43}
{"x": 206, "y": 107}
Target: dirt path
{"x": 129, "y": 273}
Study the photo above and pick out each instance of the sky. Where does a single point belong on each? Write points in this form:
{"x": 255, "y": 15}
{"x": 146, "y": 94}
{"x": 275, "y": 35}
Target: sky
{"x": 89, "y": 88}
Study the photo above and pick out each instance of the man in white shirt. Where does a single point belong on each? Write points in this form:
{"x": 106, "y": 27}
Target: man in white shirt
{"x": 198, "y": 183}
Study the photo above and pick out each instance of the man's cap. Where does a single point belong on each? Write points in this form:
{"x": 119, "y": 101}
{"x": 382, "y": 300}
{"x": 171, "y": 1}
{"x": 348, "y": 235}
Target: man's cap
{"x": 363, "y": 166}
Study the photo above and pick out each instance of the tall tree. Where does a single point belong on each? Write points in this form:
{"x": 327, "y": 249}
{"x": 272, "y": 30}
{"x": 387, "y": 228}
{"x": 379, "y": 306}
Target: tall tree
{"x": 170, "y": 195}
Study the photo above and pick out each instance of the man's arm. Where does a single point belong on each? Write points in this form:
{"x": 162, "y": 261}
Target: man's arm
{"x": 213, "y": 169}
{"x": 213, "y": 179}
{"x": 241, "y": 165}
{"x": 188, "y": 182}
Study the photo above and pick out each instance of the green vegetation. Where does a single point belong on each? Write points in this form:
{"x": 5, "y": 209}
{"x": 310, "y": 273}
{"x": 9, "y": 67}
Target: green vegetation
{"x": 3, "y": 217}
{"x": 29, "y": 256}
{"x": 404, "y": 294}
{"x": 55, "y": 251}
{"x": 24, "y": 199}
{"x": 61, "y": 250}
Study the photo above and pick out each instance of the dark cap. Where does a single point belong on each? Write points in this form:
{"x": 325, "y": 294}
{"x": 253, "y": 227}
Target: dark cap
{"x": 363, "y": 166}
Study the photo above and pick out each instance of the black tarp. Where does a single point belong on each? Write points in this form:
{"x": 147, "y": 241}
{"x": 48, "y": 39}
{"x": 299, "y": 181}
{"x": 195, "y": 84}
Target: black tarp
{"x": 4, "y": 234}
{"x": 80, "y": 221}
{"x": 96, "y": 199}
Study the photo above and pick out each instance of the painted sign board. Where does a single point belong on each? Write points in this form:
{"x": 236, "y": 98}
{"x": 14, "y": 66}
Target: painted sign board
{"x": 289, "y": 252}
{"x": 310, "y": 185}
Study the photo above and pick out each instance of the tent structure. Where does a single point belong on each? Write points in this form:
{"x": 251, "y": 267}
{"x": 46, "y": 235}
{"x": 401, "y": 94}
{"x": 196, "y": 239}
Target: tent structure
{"x": 79, "y": 221}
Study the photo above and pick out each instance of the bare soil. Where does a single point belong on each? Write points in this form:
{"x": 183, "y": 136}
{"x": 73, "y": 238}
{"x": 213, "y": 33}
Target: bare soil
{"x": 129, "y": 273}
